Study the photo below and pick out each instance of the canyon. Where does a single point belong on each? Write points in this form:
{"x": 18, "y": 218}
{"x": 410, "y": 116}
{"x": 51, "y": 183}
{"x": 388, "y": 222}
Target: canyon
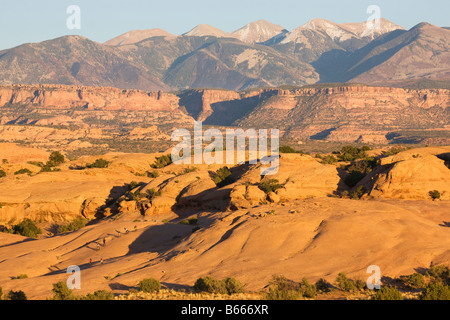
{"x": 75, "y": 117}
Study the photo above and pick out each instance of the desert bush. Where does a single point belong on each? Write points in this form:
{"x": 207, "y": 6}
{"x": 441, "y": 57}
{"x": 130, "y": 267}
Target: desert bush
{"x": 23, "y": 171}
{"x": 152, "y": 193}
{"x": 99, "y": 163}
{"x": 349, "y": 285}
{"x": 435, "y": 291}
{"x": 307, "y": 289}
{"x": 1, "y": 293}
{"x": 358, "y": 193}
{"x": 415, "y": 281}
{"x": 222, "y": 177}
{"x": 133, "y": 185}
{"x": 62, "y": 292}
{"x": 149, "y": 285}
{"x": 73, "y": 226}
{"x": 329, "y": 159}
{"x": 286, "y": 149}
{"x": 55, "y": 159}
{"x": 233, "y": 286}
{"x": 153, "y": 174}
{"x": 322, "y": 285}
{"x": 270, "y": 185}
{"x": 26, "y": 228}
{"x": 190, "y": 221}
{"x": 350, "y": 153}
{"x": 100, "y": 295}
{"x": 439, "y": 272}
{"x": 17, "y": 295}
{"x": 21, "y": 276}
{"x": 394, "y": 150}
{"x": 281, "y": 288}
{"x": 2, "y": 173}
{"x": 388, "y": 293}
{"x": 211, "y": 285}
{"x": 435, "y": 194}
{"x": 161, "y": 162}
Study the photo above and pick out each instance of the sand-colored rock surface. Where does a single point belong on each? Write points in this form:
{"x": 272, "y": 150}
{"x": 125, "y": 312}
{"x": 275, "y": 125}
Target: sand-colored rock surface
{"x": 298, "y": 230}
{"x": 411, "y": 174}
{"x": 321, "y": 238}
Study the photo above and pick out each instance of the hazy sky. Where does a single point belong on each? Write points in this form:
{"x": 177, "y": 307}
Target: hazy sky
{"x": 23, "y": 21}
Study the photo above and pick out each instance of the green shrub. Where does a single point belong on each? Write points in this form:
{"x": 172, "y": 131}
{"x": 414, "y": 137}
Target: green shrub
{"x": 281, "y": 288}
{"x": 388, "y": 293}
{"x": 286, "y": 149}
{"x": 350, "y": 153}
{"x": 133, "y": 185}
{"x": 17, "y": 295}
{"x": 349, "y": 285}
{"x": 358, "y": 193}
{"x": 2, "y": 173}
{"x": 149, "y": 285}
{"x": 307, "y": 289}
{"x": 435, "y": 291}
{"x": 211, "y": 285}
{"x": 1, "y": 293}
{"x": 435, "y": 194}
{"x": 322, "y": 285}
{"x": 26, "y": 228}
{"x": 270, "y": 185}
{"x": 100, "y": 295}
{"x": 415, "y": 281}
{"x": 233, "y": 286}
{"x": 329, "y": 159}
{"x": 23, "y": 171}
{"x": 223, "y": 177}
{"x": 55, "y": 159}
{"x": 439, "y": 272}
{"x": 162, "y": 161}
{"x": 152, "y": 193}
{"x": 153, "y": 174}
{"x": 73, "y": 226}
{"x": 99, "y": 163}
{"x": 190, "y": 221}
{"x": 21, "y": 276}
{"x": 62, "y": 292}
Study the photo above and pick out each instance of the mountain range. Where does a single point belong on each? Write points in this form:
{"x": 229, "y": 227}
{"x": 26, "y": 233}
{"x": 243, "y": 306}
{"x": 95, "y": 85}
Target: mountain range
{"x": 260, "y": 54}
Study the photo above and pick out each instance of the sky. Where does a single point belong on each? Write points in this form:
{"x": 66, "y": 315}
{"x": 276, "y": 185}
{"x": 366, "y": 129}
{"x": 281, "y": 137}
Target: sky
{"x": 25, "y": 21}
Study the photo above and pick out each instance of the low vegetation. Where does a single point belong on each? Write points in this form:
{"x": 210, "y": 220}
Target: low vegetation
{"x": 388, "y": 293}
{"x": 16, "y": 295}
{"x": 99, "y": 163}
{"x": 281, "y": 288}
{"x": 149, "y": 285}
{"x": 222, "y": 177}
{"x": 269, "y": 185}
{"x": 346, "y": 284}
{"x": 162, "y": 161}
{"x": 226, "y": 286}
{"x": 435, "y": 194}
{"x": 73, "y": 226}
{"x": 23, "y": 171}
{"x": 26, "y": 228}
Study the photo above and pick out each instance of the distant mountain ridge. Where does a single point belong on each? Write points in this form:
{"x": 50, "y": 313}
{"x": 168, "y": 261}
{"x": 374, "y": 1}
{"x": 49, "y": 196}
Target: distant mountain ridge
{"x": 260, "y": 54}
